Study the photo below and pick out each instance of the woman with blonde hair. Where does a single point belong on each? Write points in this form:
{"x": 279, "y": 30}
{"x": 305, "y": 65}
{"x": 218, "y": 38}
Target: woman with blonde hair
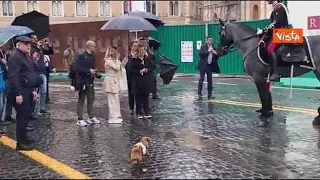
{"x": 111, "y": 84}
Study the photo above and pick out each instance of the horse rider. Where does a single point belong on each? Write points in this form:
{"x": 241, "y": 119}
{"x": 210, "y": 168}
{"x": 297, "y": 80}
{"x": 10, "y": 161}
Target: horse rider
{"x": 279, "y": 19}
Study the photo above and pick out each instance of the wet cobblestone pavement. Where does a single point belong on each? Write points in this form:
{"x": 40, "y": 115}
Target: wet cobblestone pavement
{"x": 191, "y": 138}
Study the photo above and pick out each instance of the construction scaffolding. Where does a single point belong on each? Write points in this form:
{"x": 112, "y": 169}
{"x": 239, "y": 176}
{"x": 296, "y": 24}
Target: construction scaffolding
{"x": 211, "y": 11}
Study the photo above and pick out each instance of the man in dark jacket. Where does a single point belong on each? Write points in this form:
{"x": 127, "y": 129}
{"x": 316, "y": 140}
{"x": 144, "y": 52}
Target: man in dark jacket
{"x": 207, "y": 65}
{"x": 22, "y": 81}
{"x": 85, "y": 75}
{"x": 43, "y": 48}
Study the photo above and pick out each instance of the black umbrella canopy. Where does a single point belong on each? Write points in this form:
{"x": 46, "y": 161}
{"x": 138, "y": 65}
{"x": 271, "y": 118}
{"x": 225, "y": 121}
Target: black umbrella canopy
{"x": 128, "y": 23}
{"x": 153, "y": 43}
{"x": 36, "y": 21}
{"x": 153, "y": 19}
{"x": 167, "y": 69}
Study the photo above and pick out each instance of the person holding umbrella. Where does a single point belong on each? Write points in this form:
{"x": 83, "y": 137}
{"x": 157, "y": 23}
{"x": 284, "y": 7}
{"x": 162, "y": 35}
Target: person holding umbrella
{"x": 132, "y": 54}
{"x": 151, "y": 46}
{"x": 142, "y": 81}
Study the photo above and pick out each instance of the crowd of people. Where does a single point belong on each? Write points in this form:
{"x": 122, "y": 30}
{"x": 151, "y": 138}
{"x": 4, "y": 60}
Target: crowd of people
{"x": 24, "y": 75}
{"x": 133, "y": 72}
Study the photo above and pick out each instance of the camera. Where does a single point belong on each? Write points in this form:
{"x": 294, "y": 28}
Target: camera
{"x": 97, "y": 75}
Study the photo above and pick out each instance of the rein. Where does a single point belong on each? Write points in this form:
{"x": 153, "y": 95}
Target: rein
{"x": 232, "y": 47}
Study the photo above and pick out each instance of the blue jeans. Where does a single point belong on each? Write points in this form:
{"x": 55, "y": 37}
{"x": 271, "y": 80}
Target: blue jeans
{"x": 43, "y": 92}
{"x": 2, "y": 105}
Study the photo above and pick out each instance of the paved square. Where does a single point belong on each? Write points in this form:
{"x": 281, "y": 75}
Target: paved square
{"x": 192, "y": 139}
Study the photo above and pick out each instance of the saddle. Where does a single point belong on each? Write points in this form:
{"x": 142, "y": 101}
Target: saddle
{"x": 292, "y": 53}
{"x": 288, "y": 53}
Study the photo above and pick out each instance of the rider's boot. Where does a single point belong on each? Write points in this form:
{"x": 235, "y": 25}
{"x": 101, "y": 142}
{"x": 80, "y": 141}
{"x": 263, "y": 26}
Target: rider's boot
{"x": 274, "y": 65}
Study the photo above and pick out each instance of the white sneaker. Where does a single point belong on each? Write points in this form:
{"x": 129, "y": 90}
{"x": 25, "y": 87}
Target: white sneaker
{"x": 82, "y": 123}
{"x": 148, "y": 116}
{"x": 93, "y": 121}
{"x": 115, "y": 121}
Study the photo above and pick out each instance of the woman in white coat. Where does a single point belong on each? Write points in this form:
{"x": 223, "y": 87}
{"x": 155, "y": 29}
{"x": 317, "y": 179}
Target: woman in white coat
{"x": 111, "y": 84}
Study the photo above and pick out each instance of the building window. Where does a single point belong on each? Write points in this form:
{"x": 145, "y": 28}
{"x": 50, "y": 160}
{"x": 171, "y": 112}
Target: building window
{"x": 81, "y": 8}
{"x": 215, "y": 16}
{"x": 255, "y": 12}
{"x": 105, "y": 8}
{"x": 7, "y": 9}
{"x": 174, "y": 8}
{"x": 56, "y": 8}
{"x": 151, "y": 7}
{"x": 32, "y": 6}
{"x": 125, "y": 7}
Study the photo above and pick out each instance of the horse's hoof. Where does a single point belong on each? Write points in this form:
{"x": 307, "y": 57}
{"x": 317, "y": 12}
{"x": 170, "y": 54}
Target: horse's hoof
{"x": 263, "y": 123}
{"x": 316, "y": 121}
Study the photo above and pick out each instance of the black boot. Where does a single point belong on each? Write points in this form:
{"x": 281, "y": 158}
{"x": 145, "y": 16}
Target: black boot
{"x": 23, "y": 147}
{"x": 274, "y": 65}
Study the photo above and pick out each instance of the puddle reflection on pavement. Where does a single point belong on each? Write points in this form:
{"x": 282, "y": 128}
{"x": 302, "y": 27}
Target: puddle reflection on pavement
{"x": 191, "y": 138}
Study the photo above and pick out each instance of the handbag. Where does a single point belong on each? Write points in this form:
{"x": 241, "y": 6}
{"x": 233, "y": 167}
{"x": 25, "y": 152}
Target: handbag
{"x": 123, "y": 80}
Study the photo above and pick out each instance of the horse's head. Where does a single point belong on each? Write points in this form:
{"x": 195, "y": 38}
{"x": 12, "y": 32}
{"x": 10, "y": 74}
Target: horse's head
{"x": 226, "y": 39}
{"x": 232, "y": 33}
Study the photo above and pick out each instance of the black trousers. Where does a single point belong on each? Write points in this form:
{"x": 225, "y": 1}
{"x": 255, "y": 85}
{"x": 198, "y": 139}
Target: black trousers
{"x": 155, "y": 88}
{"x": 23, "y": 115}
{"x": 209, "y": 81}
{"x": 142, "y": 101}
{"x": 130, "y": 95}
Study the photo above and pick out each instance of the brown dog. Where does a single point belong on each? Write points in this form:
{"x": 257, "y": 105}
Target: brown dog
{"x": 139, "y": 150}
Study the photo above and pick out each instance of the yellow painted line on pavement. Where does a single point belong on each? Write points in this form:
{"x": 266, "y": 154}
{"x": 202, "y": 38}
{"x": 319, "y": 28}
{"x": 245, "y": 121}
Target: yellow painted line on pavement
{"x": 301, "y": 89}
{"x": 47, "y": 161}
{"x": 258, "y": 105}
{"x": 276, "y": 107}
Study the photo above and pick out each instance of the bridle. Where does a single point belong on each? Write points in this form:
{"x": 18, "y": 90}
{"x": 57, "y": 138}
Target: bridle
{"x": 224, "y": 50}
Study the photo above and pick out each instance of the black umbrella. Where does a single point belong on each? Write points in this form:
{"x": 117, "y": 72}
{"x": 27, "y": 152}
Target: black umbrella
{"x": 154, "y": 44}
{"x": 167, "y": 69}
{"x": 153, "y": 19}
{"x": 36, "y": 21}
{"x": 127, "y": 23}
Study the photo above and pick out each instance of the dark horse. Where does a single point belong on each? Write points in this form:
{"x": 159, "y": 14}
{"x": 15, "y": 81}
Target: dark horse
{"x": 256, "y": 61}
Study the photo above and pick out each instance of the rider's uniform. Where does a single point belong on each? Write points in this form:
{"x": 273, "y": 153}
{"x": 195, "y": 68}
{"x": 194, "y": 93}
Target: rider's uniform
{"x": 279, "y": 19}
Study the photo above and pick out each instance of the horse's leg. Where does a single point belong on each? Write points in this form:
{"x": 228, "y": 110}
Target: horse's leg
{"x": 316, "y": 120}
{"x": 266, "y": 102}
